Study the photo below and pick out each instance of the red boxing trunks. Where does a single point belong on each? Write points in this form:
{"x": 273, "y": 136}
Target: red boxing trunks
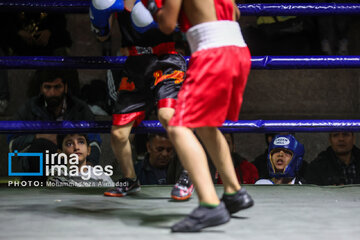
{"x": 216, "y": 76}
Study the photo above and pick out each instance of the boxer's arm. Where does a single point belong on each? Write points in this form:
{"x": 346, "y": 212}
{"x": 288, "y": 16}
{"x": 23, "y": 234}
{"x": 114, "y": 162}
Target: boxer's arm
{"x": 237, "y": 12}
{"x": 100, "y": 12}
{"x": 168, "y": 15}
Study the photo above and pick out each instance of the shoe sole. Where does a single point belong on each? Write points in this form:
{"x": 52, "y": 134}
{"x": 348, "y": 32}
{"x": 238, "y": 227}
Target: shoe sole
{"x": 181, "y": 198}
{"x": 109, "y": 194}
{"x": 199, "y": 227}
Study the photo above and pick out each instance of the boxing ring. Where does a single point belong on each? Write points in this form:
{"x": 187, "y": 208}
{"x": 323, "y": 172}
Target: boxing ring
{"x": 280, "y": 212}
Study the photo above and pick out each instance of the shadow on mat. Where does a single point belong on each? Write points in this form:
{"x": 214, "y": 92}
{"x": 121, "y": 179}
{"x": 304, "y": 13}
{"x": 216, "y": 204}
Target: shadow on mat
{"x": 129, "y": 216}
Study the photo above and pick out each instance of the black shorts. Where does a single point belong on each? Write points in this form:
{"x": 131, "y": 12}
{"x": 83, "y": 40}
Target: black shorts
{"x": 144, "y": 82}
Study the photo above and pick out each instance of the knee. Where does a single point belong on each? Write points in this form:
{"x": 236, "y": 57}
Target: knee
{"x": 119, "y": 135}
{"x": 164, "y": 115}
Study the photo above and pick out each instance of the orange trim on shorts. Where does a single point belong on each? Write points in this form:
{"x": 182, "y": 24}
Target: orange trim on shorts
{"x": 166, "y": 103}
{"x": 125, "y": 118}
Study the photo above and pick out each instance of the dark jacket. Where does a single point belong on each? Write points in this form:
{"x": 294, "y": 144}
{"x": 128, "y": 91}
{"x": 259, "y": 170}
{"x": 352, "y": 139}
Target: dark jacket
{"x": 326, "y": 168}
{"x": 34, "y": 110}
{"x": 148, "y": 175}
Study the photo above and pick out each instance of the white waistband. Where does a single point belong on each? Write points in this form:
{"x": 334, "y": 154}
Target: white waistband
{"x": 214, "y": 34}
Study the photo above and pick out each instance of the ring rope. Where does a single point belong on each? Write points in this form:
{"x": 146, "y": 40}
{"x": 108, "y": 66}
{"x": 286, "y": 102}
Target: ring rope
{"x": 105, "y": 62}
{"x": 241, "y": 126}
{"x": 257, "y": 9}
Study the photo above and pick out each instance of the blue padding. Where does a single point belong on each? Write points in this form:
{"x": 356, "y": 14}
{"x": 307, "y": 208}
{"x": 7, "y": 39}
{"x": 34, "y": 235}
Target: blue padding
{"x": 298, "y": 9}
{"x": 304, "y": 62}
{"x": 48, "y": 6}
{"x": 243, "y": 126}
{"x": 104, "y": 62}
{"x": 258, "y": 9}
{"x": 46, "y": 62}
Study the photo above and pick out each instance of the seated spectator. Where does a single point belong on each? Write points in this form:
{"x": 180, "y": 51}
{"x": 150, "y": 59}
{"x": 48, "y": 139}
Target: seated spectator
{"x": 54, "y": 103}
{"x": 95, "y": 95}
{"x": 339, "y": 164}
{"x": 333, "y": 31}
{"x": 86, "y": 175}
{"x": 246, "y": 172}
{"x": 160, "y": 165}
{"x": 261, "y": 161}
{"x": 38, "y": 33}
{"x": 285, "y": 156}
{"x": 153, "y": 169}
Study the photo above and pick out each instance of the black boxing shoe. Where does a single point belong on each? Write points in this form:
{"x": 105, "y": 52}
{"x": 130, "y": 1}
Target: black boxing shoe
{"x": 239, "y": 201}
{"x": 203, "y": 217}
{"x": 124, "y": 186}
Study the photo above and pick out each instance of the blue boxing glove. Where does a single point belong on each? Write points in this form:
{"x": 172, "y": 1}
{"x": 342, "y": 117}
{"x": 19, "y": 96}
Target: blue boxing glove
{"x": 100, "y": 11}
{"x": 141, "y": 18}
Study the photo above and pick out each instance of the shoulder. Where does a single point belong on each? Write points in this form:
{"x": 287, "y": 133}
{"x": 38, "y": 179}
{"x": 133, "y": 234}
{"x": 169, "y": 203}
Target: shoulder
{"x": 31, "y": 106}
{"x": 322, "y": 157}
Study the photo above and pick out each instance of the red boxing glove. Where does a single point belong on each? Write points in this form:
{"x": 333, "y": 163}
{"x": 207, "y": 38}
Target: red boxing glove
{"x": 153, "y": 5}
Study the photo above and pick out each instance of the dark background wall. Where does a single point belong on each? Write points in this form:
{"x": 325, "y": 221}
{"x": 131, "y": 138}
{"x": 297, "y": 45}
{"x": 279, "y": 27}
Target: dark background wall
{"x": 270, "y": 94}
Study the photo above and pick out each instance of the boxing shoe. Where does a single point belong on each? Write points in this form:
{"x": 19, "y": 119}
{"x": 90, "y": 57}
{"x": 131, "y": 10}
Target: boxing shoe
{"x": 203, "y": 217}
{"x": 183, "y": 188}
{"x": 124, "y": 186}
{"x": 239, "y": 201}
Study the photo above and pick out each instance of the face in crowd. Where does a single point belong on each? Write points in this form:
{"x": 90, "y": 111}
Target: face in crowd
{"x": 342, "y": 142}
{"x": 54, "y": 92}
{"x": 280, "y": 158}
{"x": 160, "y": 150}
{"x": 75, "y": 143}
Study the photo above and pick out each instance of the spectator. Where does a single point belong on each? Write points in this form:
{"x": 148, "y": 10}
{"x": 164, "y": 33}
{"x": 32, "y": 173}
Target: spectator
{"x": 261, "y": 161}
{"x": 43, "y": 34}
{"x": 246, "y": 172}
{"x": 153, "y": 169}
{"x": 54, "y": 103}
{"x": 285, "y": 156}
{"x": 333, "y": 31}
{"x": 4, "y": 84}
{"x": 95, "y": 95}
{"x": 4, "y": 88}
{"x": 86, "y": 175}
{"x": 339, "y": 164}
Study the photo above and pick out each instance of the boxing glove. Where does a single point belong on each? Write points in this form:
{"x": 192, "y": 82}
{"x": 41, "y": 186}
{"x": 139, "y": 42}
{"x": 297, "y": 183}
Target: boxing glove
{"x": 141, "y": 18}
{"x": 153, "y": 5}
{"x": 100, "y": 11}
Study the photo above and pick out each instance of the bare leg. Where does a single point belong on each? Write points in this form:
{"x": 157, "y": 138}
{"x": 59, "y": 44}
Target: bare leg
{"x": 164, "y": 115}
{"x": 121, "y": 147}
{"x": 218, "y": 149}
{"x": 193, "y": 158}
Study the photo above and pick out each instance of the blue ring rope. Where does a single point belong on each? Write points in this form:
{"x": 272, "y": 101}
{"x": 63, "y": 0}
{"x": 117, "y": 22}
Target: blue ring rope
{"x": 241, "y": 126}
{"x": 258, "y": 62}
{"x": 257, "y": 9}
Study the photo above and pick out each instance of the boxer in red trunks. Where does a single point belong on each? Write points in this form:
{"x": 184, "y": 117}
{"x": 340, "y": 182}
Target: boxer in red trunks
{"x": 211, "y": 93}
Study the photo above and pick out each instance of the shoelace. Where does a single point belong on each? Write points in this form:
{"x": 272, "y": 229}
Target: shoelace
{"x": 184, "y": 179}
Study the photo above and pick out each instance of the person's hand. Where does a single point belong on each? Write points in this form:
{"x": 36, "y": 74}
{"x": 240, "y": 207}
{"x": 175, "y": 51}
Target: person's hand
{"x": 27, "y": 37}
{"x": 50, "y": 137}
{"x": 42, "y": 37}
